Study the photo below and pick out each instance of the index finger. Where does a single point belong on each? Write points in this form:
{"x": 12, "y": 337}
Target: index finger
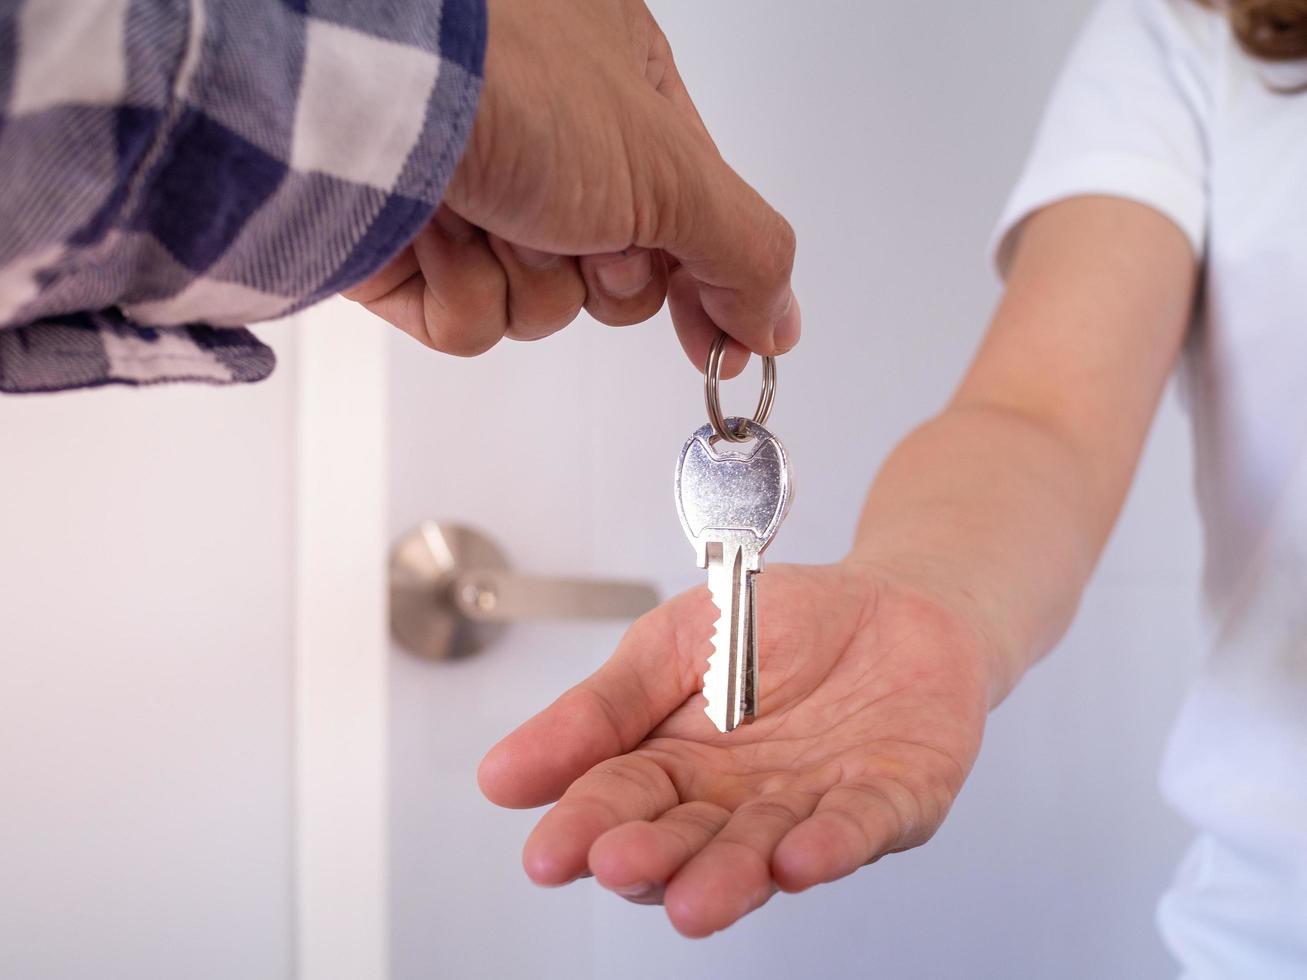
{"x": 735, "y": 255}
{"x": 738, "y": 252}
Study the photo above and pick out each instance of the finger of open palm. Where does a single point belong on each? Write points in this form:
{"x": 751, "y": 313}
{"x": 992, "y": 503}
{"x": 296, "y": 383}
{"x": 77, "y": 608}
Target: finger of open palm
{"x": 630, "y": 787}
{"x": 731, "y": 875}
{"x": 851, "y": 825}
{"x": 637, "y": 859}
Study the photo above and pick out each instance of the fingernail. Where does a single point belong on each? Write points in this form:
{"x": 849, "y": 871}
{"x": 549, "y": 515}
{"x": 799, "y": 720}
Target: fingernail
{"x": 785, "y": 335}
{"x": 642, "y": 893}
{"x": 454, "y": 227}
{"x": 627, "y": 276}
{"x": 533, "y": 258}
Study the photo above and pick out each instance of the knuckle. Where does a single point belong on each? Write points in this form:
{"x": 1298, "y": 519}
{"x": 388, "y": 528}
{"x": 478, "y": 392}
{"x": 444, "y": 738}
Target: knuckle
{"x": 460, "y": 336}
{"x": 542, "y": 302}
{"x": 748, "y": 861}
{"x": 468, "y": 322}
{"x": 531, "y": 321}
{"x": 785, "y": 245}
{"x": 460, "y": 343}
{"x": 867, "y": 846}
{"x": 627, "y": 312}
{"x": 918, "y": 806}
{"x": 607, "y": 710}
{"x": 776, "y": 810}
{"x": 706, "y": 818}
{"x": 660, "y": 46}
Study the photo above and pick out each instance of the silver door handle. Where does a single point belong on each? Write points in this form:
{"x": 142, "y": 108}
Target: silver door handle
{"x": 453, "y": 593}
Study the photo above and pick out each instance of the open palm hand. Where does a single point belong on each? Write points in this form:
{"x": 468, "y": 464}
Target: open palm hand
{"x": 872, "y": 703}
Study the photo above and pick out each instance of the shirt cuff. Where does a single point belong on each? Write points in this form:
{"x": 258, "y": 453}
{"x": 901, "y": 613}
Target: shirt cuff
{"x": 295, "y": 156}
{"x": 88, "y": 350}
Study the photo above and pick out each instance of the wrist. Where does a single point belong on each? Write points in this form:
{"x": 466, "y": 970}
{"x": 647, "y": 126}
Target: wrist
{"x": 991, "y": 634}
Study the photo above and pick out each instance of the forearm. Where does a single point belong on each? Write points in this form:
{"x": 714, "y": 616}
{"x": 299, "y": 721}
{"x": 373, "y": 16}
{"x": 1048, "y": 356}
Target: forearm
{"x": 1004, "y": 501}
{"x": 993, "y": 508}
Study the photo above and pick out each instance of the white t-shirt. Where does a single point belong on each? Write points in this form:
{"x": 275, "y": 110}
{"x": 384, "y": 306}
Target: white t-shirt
{"x": 1158, "y": 104}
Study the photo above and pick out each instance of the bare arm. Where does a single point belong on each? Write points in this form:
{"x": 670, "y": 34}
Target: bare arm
{"x": 1005, "y": 499}
{"x": 877, "y": 672}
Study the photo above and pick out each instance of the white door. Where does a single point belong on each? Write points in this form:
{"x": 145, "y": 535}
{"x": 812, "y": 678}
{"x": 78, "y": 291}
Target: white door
{"x": 213, "y": 762}
{"x": 146, "y": 682}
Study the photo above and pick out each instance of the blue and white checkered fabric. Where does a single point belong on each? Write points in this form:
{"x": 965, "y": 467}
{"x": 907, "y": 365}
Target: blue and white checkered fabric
{"x": 171, "y": 170}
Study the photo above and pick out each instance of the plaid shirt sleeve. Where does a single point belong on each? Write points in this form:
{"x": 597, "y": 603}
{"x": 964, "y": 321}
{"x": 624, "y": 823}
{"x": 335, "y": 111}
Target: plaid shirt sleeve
{"x": 171, "y": 170}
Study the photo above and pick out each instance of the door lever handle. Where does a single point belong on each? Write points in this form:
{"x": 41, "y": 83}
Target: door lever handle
{"x": 453, "y": 593}
{"x": 488, "y": 596}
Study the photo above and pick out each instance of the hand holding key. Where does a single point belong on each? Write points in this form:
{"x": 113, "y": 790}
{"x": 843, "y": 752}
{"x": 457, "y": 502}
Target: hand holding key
{"x": 873, "y": 698}
{"x": 590, "y": 182}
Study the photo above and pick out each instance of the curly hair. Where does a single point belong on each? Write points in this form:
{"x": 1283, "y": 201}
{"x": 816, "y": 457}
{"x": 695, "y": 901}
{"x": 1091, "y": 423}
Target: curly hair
{"x": 1275, "y": 30}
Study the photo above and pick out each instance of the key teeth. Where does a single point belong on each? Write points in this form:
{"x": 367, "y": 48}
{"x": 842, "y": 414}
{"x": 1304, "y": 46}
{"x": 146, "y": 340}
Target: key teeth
{"x": 715, "y": 712}
{"x": 718, "y": 661}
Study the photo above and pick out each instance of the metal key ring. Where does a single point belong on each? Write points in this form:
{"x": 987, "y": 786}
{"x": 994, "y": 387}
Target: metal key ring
{"x": 712, "y": 375}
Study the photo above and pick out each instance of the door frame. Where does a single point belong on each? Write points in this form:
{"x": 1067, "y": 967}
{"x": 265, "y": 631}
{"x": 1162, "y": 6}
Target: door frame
{"x": 341, "y": 647}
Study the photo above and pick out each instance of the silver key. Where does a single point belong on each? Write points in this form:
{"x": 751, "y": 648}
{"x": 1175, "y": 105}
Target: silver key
{"x": 731, "y": 498}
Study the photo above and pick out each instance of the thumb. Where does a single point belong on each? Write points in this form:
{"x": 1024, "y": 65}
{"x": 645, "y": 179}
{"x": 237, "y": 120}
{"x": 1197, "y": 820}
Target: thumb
{"x": 736, "y": 250}
{"x": 607, "y": 714}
